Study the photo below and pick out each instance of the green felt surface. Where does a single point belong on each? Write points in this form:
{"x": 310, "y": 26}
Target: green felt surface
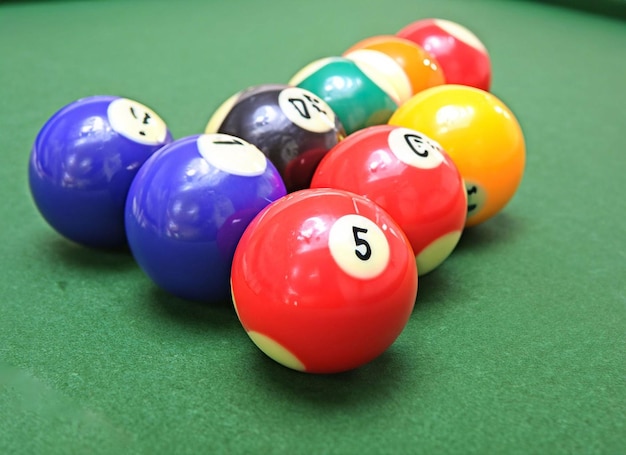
{"x": 611, "y": 8}
{"x": 516, "y": 344}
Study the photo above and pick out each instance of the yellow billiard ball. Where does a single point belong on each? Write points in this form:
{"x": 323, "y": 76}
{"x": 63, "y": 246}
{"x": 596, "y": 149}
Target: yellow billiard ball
{"x": 481, "y": 135}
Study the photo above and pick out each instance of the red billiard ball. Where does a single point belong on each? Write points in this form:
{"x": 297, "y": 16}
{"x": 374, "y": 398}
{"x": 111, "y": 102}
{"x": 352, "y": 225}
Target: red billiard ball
{"x": 481, "y": 135}
{"x": 411, "y": 177}
{"x": 462, "y": 56}
{"x": 323, "y": 280}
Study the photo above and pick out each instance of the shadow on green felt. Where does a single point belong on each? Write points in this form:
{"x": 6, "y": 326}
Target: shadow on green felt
{"x": 434, "y": 288}
{"x": 439, "y": 288}
{"x": 88, "y": 259}
{"x": 374, "y": 382}
{"x": 195, "y": 316}
{"x": 496, "y": 231}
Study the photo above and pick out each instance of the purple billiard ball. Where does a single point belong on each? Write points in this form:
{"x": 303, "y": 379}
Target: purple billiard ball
{"x": 188, "y": 207}
{"x": 83, "y": 162}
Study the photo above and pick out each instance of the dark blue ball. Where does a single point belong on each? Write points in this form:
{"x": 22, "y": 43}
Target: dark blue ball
{"x": 188, "y": 207}
{"x": 83, "y": 162}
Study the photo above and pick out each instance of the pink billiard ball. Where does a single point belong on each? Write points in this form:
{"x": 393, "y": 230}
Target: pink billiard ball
{"x": 323, "y": 280}
{"x": 411, "y": 177}
{"x": 460, "y": 53}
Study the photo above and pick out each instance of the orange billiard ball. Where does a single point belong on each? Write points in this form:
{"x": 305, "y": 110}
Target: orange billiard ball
{"x": 422, "y": 69}
{"x": 481, "y": 135}
{"x": 323, "y": 281}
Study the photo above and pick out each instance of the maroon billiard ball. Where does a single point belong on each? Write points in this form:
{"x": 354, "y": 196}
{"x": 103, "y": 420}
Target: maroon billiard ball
{"x": 411, "y": 177}
{"x": 323, "y": 280}
{"x": 461, "y": 54}
{"x": 293, "y": 127}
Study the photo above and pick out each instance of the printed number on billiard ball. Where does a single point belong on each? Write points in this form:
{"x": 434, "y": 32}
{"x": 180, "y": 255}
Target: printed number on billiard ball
{"x": 323, "y": 280}
{"x": 306, "y": 110}
{"x": 481, "y": 135}
{"x": 301, "y": 105}
{"x": 293, "y": 127}
{"x": 427, "y": 152}
{"x": 359, "y": 242}
{"x": 232, "y": 155}
{"x": 370, "y": 249}
{"x": 411, "y": 177}
{"x": 83, "y": 161}
{"x": 188, "y": 207}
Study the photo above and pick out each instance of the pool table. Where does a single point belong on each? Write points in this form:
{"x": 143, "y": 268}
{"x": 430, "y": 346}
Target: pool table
{"x": 516, "y": 344}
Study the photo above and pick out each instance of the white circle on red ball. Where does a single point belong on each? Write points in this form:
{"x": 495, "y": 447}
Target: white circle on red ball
{"x": 359, "y": 246}
{"x": 415, "y": 148}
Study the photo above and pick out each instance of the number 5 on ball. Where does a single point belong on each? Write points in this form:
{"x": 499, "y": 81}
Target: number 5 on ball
{"x": 323, "y": 280}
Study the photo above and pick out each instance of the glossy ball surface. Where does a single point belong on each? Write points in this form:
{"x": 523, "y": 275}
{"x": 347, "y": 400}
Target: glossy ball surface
{"x": 323, "y": 281}
{"x": 409, "y": 176}
{"x": 464, "y": 59}
{"x": 83, "y": 161}
{"x": 392, "y": 71}
{"x": 481, "y": 135}
{"x": 421, "y": 68}
{"x": 358, "y": 93}
{"x": 293, "y": 127}
{"x": 188, "y": 207}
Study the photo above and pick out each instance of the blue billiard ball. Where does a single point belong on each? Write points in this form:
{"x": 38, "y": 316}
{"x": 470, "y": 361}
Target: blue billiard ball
{"x": 83, "y": 161}
{"x": 188, "y": 207}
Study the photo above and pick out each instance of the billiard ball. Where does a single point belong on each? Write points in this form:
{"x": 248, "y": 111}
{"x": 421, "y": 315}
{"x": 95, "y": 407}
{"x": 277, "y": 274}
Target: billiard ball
{"x": 360, "y": 94}
{"x": 188, "y": 206}
{"x": 323, "y": 280}
{"x": 392, "y": 71}
{"x": 481, "y": 135}
{"x": 409, "y": 176}
{"x": 83, "y": 161}
{"x": 421, "y": 68}
{"x": 461, "y": 54}
{"x": 292, "y": 126}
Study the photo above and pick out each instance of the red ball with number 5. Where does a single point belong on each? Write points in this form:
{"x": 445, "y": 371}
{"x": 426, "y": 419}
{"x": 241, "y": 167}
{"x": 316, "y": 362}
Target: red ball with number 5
{"x": 411, "y": 177}
{"x": 323, "y": 281}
